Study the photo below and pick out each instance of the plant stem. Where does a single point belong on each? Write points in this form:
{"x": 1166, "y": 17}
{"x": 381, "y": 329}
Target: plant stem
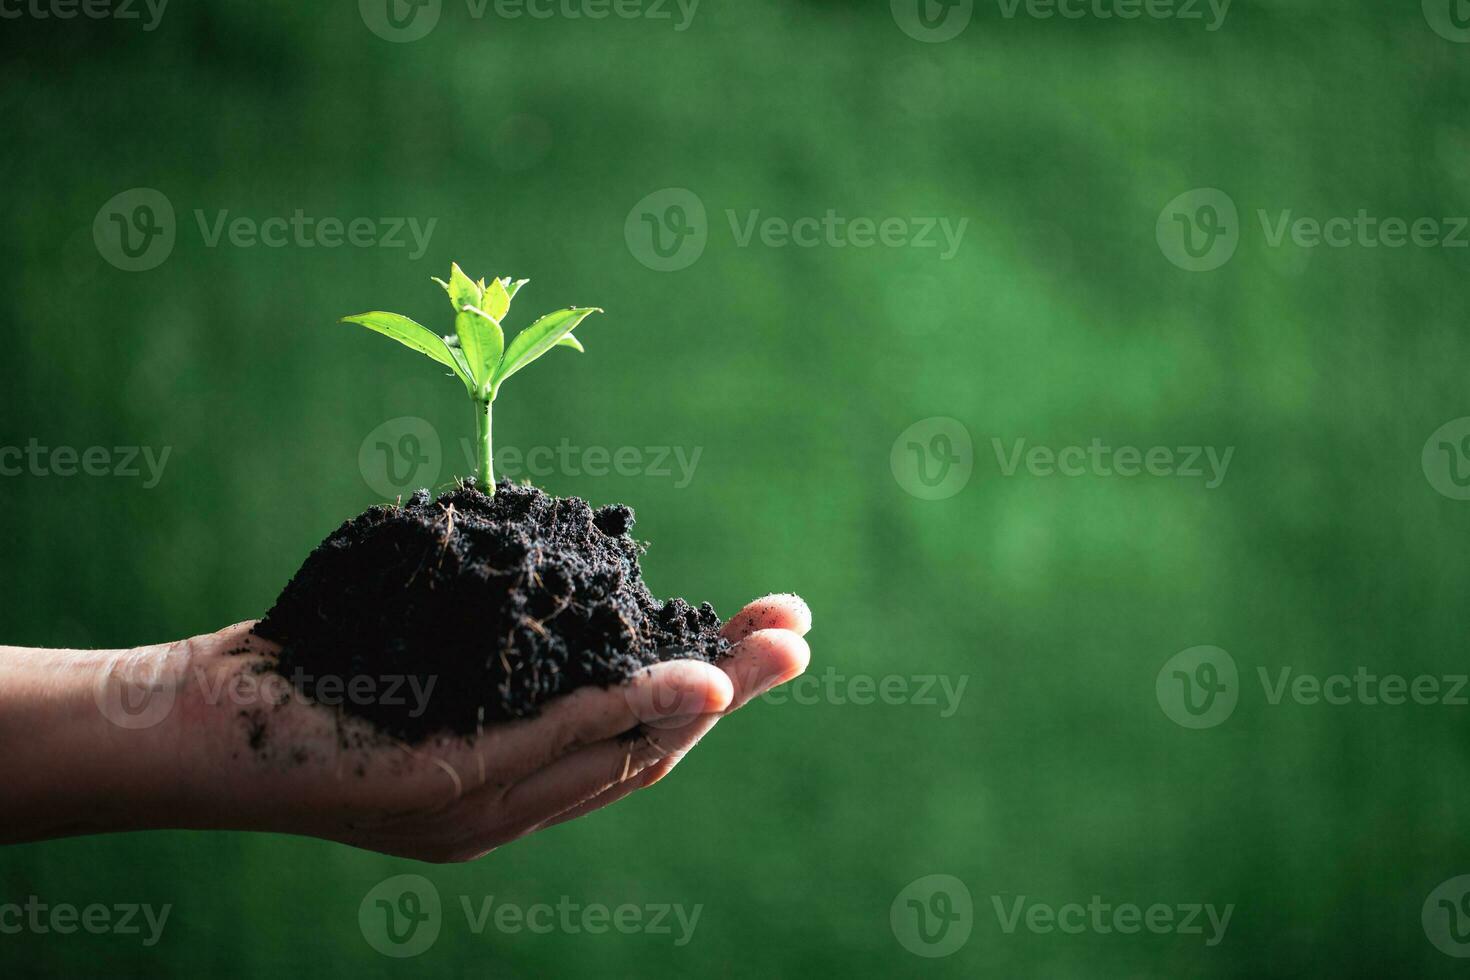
{"x": 485, "y": 445}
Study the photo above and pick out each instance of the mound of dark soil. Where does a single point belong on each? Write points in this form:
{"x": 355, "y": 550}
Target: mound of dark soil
{"x": 502, "y": 603}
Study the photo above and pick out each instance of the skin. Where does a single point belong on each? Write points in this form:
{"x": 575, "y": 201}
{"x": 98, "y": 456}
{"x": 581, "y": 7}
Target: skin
{"x": 73, "y": 764}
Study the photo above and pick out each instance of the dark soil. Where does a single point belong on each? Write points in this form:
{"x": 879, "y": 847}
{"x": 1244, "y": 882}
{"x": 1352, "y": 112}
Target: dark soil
{"x": 502, "y": 602}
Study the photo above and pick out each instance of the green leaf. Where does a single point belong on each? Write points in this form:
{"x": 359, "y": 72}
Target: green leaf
{"x": 573, "y": 343}
{"x": 496, "y": 301}
{"x": 466, "y": 375}
{"x": 539, "y": 338}
{"x": 461, "y": 288}
{"x": 409, "y": 334}
{"x": 513, "y": 287}
{"x": 482, "y": 341}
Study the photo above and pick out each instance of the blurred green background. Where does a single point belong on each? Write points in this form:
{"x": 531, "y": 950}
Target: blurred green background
{"x": 1061, "y": 318}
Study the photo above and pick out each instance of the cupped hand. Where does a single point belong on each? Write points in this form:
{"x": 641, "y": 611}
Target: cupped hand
{"x": 295, "y": 767}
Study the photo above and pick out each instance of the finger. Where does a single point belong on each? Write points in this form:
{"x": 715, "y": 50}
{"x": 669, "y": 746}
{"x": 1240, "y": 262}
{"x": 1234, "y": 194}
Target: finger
{"x": 652, "y": 774}
{"x": 585, "y": 775}
{"x": 591, "y": 715}
{"x": 763, "y": 660}
{"x": 779, "y": 612}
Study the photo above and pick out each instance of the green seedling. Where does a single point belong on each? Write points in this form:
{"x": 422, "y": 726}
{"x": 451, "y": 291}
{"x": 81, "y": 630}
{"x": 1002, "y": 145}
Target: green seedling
{"x": 477, "y": 352}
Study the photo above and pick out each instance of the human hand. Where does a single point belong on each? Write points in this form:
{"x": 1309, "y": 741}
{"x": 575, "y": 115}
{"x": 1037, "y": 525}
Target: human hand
{"x": 228, "y": 754}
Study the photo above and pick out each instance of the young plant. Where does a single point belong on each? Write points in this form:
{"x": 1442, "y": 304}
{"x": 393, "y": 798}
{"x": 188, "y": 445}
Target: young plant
{"x": 477, "y": 352}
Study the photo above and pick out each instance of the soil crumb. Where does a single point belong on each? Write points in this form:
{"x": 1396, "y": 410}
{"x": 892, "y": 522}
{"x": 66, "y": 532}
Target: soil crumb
{"x": 452, "y": 615}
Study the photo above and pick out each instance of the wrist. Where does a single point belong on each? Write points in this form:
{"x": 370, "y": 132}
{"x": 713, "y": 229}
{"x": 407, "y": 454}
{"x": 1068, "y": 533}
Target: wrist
{"x": 94, "y": 740}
